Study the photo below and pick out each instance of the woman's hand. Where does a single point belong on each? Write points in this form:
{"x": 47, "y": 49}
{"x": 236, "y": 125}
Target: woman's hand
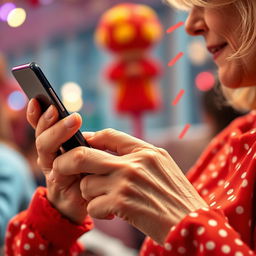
{"x": 50, "y": 135}
{"x": 138, "y": 183}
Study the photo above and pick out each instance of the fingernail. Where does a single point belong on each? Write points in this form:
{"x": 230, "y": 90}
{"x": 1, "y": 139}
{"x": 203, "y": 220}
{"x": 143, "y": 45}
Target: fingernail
{"x": 88, "y": 135}
{"x": 71, "y": 121}
{"x": 31, "y": 107}
{"x": 49, "y": 113}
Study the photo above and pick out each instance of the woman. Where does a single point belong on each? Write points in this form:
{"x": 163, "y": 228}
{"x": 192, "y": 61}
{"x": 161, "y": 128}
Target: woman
{"x": 209, "y": 212}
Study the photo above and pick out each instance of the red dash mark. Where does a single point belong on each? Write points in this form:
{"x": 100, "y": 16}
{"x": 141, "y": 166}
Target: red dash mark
{"x": 175, "y": 59}
{"x": 184, "y": 131}
{"x": 178, "y": 97}
{"x": 172, "y": 28}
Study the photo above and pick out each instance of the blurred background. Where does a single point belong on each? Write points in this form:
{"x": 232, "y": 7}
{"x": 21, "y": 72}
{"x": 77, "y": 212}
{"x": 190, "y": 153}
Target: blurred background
{"x": 59, "y": 35}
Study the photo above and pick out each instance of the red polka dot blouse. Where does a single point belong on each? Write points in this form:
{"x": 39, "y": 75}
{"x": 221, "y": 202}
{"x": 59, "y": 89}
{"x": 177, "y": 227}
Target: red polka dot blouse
{"x": 224, "y": 176}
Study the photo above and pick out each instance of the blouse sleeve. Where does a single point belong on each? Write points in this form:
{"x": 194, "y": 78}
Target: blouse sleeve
{"x": 42, "y": 230}
{"x": 203, "y": 232}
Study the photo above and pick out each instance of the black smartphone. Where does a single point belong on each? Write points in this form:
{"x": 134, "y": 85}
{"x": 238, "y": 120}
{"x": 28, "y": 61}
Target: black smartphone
{"x": 35, "y": 85}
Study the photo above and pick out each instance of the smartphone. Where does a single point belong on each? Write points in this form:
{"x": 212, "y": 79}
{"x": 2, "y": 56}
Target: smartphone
{"x": 35, "y": 85}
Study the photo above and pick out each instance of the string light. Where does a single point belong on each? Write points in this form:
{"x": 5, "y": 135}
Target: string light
{"x": 16, "y": 17}
{"x": 5, "y": 9}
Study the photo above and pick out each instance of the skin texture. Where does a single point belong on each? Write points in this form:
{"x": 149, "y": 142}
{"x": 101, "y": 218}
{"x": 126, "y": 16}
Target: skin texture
{"x": 136, "y": 182}
{"x": 213, "y": 26}
{"x": 130, "y": 178}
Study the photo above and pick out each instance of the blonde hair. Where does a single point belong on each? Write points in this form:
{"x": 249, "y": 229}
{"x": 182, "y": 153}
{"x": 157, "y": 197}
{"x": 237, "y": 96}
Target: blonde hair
{"x": 242, "y": 98}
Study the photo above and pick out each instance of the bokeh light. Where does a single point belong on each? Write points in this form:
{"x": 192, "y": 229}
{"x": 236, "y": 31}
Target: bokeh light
{"x": 72, "y": 96}
{"x": 17, "y": 100}
{"x": 197, "y": 52}
{"x": 45, "y": 2}
{"x": 16, "y": 17}
{"x": 5, "y": 9}
{"x": 205, "y": 81}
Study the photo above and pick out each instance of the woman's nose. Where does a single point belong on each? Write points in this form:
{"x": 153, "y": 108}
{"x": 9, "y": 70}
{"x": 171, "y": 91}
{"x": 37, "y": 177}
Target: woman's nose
{"x": 195, "y": 24}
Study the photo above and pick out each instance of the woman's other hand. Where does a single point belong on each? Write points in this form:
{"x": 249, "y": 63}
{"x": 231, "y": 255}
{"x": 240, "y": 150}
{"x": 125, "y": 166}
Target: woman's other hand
{"x": 138, "y": 183}
{"x": 50, "y": 135}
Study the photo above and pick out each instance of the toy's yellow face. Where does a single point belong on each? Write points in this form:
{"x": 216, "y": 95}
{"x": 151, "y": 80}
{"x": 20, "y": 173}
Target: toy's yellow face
{"x": 128, "y": 27}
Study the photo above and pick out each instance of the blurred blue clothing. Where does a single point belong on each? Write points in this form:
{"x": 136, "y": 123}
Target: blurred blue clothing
{"x": 16, "y": 185}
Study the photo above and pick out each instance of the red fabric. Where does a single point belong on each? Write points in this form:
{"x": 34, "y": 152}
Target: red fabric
{"x": 136, "y": 91}
{"x": 225, "y": 177}
{"x": 42, "y": 230}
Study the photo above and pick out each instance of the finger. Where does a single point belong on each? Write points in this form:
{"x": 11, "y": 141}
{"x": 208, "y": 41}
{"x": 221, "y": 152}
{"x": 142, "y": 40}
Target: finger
{"x": 101, "y": 207}
{"x": 49, "y": 142}
{"x": 86, "y": 160}
{"x": 92, "y": 186}
{"x": 48, "y": 118}
{"x": 33, "y": 112}
{"x": 116, "y": 141}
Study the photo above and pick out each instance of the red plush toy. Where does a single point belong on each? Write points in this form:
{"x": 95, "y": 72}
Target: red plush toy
{"x": 129, "y": 31}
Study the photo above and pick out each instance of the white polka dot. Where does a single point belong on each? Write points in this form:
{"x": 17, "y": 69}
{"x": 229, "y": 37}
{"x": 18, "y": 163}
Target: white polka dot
{"x": 225, "y": 249}
{"x": 205, "y": 209}
{"x": 193, "y": 214}
{"x": 222, "y": 157}
{"x": 226, "y": 184}
{"x": 249, "y": 151}
{"x": 244, "y": 183}
{"x": 220, "y": 182}
{"x": 223, "y": 163}
{"x": 184, "y": 232}
{"x": 231, "y": 197}
{"x": 210, "y": 245}
{"x": 203, "y": 177}
{"x": 215, "y": 174}
{"x": 212, "y": 196}
{"x": 41, "y": 247}
{"x": 199, "y": 186}
{"x": 239, "y": 210}
{"x": 212, "y": 204}
{"x": 167, "y": 246}
{"x": 231, "y": 149}
{"x": 212, "y": 167}
{"x": 246, "y": 146}
{"x": 238, "y": 165}
{"x": 205, "y": 192}
{"x": 238, "y": 242}
{"x": 23, "y": 226}
{"x": 239, "y": 254}
{"x": 213, "y": 223}
{"x": 31, "y": 235}
{"x": 253, "y": 131}
{"x": 230, "y": 191}
{"x": 233, "y": 134}
{"x": 200, "y": 231}
{"x": 18, "y": 242}
{"x": 223, "y": 233}
{"x": 173, "y": 228}
{"x": 254, "y": 156}
{"x": 218, "y": 207}
{"x": 27, "y": 247}
{"x": 181, "y": 250}
{"x": 234, "y": 159}
{"x": 243, "y": 175}
{"x": 227, "y": 225}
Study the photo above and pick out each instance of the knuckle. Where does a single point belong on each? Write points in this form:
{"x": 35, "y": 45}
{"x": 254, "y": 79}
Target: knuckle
{"x": 163, "y": 152}
{"x": 150, "y": 155}
{"x": 79, "y": 156}
{"x": 110, "y": 131}
{"x": 39, "y": 145}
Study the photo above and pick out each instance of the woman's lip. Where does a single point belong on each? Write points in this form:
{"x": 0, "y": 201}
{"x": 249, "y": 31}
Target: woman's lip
{"x": 216, "y": 54}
